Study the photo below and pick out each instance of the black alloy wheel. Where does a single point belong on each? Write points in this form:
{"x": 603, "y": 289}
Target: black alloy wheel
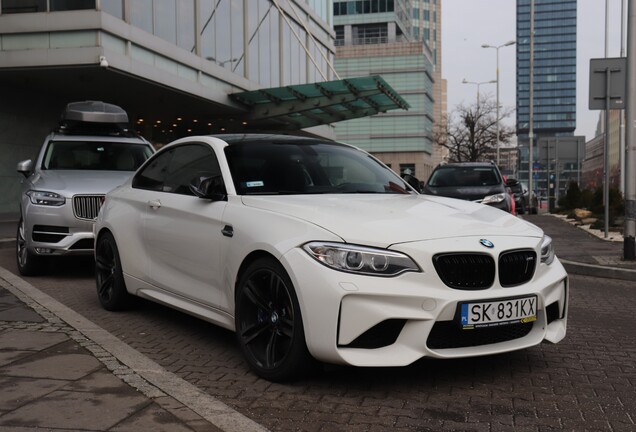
{"x": 269, "y": 326}
{"x": 109, "y": 278}
{"x": 28, "y": 263}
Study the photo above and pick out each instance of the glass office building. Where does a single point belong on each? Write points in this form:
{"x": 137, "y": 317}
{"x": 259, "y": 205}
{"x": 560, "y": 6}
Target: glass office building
{"x": 554, "y": 99}
{"x": 391, "y": 38}
{"x": 178, "y": 67}
{"x": 554, "y": 87}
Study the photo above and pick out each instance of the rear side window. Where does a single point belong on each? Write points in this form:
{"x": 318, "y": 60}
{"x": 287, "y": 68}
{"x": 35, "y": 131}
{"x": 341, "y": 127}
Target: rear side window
{"x": 174, "y": 169}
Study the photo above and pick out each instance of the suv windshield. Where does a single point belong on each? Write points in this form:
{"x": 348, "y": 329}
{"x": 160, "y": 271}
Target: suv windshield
{"x": 454, "y": 176}
{"x": 308, "y": 168}
{"x": 94, "y": 155}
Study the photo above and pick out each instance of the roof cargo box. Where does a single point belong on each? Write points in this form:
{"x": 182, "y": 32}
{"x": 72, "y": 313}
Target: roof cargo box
{"x": 94, "y": 112}
{"x": 94, "y": 118}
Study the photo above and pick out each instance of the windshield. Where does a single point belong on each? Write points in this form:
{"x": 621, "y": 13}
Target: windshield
{"x": 269, "y": 168}
{"x": 95, "y": 156}
{"x": 454, "y": 176}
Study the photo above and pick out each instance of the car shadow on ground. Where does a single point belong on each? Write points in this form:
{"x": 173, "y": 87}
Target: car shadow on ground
{"x": 69, "y": 267}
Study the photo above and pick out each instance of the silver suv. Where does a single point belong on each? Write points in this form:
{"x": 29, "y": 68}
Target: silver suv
{"x": 90, "y": 153}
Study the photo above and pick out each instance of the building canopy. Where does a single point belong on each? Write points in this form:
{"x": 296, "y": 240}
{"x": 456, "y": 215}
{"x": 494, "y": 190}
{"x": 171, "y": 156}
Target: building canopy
{"x": 301, "y": 106}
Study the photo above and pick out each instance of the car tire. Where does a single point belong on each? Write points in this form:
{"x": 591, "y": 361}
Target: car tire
{"x": 29, "y": 264}
{"x": 109, "y": 277}
{"x": 522, "y": 208}
{"x": 269, "y": 325}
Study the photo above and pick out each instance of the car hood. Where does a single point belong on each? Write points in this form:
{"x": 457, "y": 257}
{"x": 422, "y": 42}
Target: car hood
{"x": 74, "y": 182}
{"x": 384, "y": 220}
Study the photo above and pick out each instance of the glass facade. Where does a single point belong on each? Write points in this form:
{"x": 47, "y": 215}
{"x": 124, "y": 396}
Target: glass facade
{"x": 425, "y": 24}
{"x": 172, "y": 64}
{"x": 554, "y": 81}
{"x": 372, "y": 21}
{"x": 365, "y": 6}
{"x": 250, "y": 38}
{"x": 388, "y": 42}
{"x": 554, "y": 90}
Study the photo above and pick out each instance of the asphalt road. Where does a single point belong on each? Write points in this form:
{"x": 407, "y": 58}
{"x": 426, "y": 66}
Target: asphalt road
{"x": 587, "y": 382}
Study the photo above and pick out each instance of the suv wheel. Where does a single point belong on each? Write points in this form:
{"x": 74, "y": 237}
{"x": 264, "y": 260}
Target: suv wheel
{"x": 29, "y": 264}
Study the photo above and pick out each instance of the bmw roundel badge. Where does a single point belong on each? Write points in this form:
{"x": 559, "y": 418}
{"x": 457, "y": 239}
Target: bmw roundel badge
{"x": 487, "y": 243}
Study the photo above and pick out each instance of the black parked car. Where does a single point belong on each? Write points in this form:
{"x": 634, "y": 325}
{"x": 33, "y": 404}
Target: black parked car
{"x": 474, "y": 181}
{"x": 520, "y": 193}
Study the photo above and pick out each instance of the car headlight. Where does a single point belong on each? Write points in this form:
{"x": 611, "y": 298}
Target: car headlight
{"x": 46, "y": 198}
{"x": 360, "y": 259}
{"x": 494, "y": 198}
{"x": 547, "y": 251}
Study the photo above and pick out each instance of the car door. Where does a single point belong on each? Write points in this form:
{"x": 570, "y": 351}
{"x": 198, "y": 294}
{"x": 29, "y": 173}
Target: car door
{"x": 182, "y": 233}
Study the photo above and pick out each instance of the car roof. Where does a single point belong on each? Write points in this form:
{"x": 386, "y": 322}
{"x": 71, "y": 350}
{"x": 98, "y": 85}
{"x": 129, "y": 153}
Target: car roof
{"x": 461, "y": 164}
{"x": 136, "y": 139}
{"x": 268, "y": 138}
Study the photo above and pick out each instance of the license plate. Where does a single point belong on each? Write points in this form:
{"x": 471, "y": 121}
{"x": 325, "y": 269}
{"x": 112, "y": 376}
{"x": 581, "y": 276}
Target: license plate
{"x": 498, "y": 312}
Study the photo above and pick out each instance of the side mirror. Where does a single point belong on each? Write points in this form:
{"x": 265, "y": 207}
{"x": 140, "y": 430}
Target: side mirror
{"x": 25, "y": 167}
{"x": 413, "y": 182}
{"x": 211, "y": 188}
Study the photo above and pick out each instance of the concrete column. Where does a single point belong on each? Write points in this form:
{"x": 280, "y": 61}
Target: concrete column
{"x": 348, "y": 35}
{"x": 392, "y": 32}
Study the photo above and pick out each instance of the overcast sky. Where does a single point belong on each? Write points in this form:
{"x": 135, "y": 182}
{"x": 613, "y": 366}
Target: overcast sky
{"x": 467, "y": 24}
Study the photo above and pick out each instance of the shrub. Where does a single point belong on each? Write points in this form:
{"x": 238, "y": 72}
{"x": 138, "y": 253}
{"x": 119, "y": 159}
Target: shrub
{"x": 616, "y": 204}
{"x": 572, "y": 198}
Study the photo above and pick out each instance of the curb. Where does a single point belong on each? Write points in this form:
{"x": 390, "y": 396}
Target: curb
{"x": 582, "y": 269}
{"x": 155, "y": 381}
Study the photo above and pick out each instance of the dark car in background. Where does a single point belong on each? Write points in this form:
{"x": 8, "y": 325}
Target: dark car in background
{"x": 520, "y": 193}
{"x": 480, "y": 182}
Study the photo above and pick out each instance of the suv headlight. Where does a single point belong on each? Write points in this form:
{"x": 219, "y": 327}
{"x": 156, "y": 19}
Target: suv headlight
{"x": 46, "y": 198}
{"x": 494, "y": 198}
{"x": 547, "y": 251}
{"x": 360, "y": 259}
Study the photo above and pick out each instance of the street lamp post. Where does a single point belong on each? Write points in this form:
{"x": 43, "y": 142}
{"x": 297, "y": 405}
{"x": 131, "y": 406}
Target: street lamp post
{"x": 496, "y": 47}
{"x": 478, "y": 84}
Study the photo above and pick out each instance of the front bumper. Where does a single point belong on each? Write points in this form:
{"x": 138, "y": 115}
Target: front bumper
{"x": 374, "y": 321}
{"x": 56, "y": 231}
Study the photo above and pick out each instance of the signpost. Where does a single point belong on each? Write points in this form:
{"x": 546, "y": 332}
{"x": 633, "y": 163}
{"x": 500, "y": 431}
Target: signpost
{"x": 608, "y": 78}
{"x": 629, "y": 234}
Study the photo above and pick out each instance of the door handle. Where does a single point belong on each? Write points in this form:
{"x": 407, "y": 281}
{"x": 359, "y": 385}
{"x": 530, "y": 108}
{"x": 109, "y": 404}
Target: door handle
{"x": 154, "y": 204}
{"x": 227, "y": 231}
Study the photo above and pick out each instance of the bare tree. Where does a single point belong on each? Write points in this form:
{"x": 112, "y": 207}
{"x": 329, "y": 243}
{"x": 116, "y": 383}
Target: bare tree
{"x": 470, "y": 132}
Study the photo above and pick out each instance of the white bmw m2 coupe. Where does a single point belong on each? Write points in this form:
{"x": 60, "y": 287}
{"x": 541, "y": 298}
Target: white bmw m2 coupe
{"x": 314, "y": 251}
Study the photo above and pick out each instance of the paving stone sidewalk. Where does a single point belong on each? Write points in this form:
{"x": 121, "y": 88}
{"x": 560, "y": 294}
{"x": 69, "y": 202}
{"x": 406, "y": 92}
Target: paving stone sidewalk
{"x": 54, "y": 378}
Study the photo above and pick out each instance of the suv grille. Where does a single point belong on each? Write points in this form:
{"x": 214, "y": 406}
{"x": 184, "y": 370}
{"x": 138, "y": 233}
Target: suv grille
{"x": 465, "y": 271}
{"x": 516, "y": 267}
{"x": 86, "y": 207}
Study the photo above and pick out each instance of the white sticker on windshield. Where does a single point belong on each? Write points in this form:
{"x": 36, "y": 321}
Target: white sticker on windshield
{"x": 254, "y": 184}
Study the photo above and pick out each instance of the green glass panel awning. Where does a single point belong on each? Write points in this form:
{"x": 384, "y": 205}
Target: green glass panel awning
{"x": 300, "y": 106}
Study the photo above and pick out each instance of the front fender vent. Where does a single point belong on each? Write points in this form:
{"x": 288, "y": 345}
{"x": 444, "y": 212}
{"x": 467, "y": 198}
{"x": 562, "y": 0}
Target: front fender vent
{"x": 380, "y": 335}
